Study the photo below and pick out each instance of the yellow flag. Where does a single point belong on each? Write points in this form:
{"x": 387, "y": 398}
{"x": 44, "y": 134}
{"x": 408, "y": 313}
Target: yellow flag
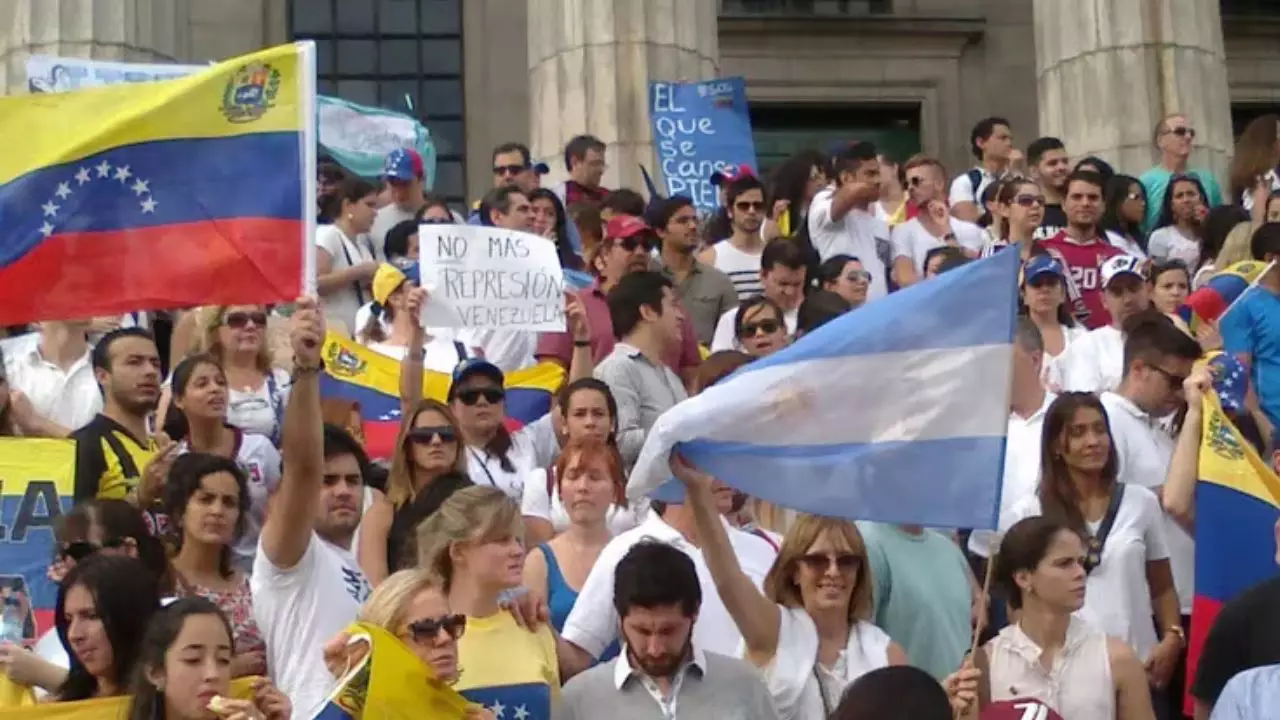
{"x": 106, "y": 709}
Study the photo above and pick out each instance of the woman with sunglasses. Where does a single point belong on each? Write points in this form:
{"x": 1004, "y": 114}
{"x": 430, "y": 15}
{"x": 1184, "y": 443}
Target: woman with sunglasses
{"x": 808, "y": 630}
{"x": 1040, "y": 572}
{"x": 186, "y": 660}
{"x": 1043, "y": 298}
{"x": 845, "y": 276}
{"x": 206, "y": 499}
{"x": 428, "y": 466}
{"x": 104, "y": 606}
{"x": 759, "y": 327}
{"x": 197, "y": 420}
{"x": 1020, "y": 206}
{"x": 474, "y": 545}
{"x": 1126, "y": 554}
{"x": 1180, "y": 225}
{"x": 1124, "y": 207}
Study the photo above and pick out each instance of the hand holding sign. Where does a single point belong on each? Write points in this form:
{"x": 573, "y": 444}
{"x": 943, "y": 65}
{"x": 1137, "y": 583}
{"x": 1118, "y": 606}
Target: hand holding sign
{"x": 576, "y": 315}
{"x": 415, "y": 301}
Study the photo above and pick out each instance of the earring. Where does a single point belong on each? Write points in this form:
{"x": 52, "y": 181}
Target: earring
{"x": 350, "y": 216}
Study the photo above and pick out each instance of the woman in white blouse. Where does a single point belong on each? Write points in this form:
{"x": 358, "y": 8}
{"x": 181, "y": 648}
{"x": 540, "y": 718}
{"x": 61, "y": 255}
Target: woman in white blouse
{"x": 1179, "y": 231}
{"x": 1127, "y": 558}
{"x": 344, "y": 257}
{"x": 1050, "y": 654}
{"x": 808, "y": 630}
{"x": 1043, "y": 299}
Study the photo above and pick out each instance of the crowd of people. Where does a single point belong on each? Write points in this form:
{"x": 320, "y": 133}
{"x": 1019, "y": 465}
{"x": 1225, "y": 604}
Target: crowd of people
{"x": 229, "y": 523}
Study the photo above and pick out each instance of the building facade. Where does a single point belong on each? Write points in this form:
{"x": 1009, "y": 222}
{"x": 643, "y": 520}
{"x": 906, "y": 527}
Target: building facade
{"x": 911, "y": 75}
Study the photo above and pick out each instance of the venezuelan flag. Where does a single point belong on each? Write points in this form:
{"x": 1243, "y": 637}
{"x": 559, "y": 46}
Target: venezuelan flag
{"x": 18, "y": 702}
{"x": 1210, "y": 301}
{"x": 37, "y": 484}
{"x": 1237, "y": 504}
{"x": 164, "y": 194}
{"x": 354, "y": 372}
{"x": 402, "y": 687}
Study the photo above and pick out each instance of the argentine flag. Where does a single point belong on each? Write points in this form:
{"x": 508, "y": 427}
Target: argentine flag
{"x": 895, "y": 412}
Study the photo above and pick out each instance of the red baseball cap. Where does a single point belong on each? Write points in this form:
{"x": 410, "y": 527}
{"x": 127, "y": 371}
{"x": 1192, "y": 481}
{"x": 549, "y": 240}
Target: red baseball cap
{"x": 1019, "y": 709}
{"x": 621, "y": 227}
{"x": 730, "y": 174}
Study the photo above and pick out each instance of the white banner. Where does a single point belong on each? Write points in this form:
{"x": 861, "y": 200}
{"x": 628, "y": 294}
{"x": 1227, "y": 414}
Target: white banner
{"x": 490, "y": 279}
{"x": 46, "y": 74}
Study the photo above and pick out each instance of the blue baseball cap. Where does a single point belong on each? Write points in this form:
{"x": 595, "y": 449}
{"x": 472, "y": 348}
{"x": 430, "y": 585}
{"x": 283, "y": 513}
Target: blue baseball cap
{"x": 1039, "y": 265}
{"x": 404, "y": 164}
{"x": 475, "y": 366}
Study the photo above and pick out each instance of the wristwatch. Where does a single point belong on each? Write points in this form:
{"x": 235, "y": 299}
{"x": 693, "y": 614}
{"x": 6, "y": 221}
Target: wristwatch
{"x": 1176, "y": 631}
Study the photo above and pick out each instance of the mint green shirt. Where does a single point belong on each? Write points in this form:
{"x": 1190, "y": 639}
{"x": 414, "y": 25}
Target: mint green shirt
{"x": 1156, "y": 180}
{"x": 921, "y": 595}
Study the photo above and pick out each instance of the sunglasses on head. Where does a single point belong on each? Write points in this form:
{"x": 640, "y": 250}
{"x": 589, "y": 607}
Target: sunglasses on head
{"x": 509, "y": 169}
{"x": 747, "y": 205}
{"x": 1029, "y": 200}
{"x": 819, "y": 562}
{"x": 428, "y": 629}
{"x": 82, "y": 549}
{"x": 238, "y": 320}
{"x": 493, "y": 396}
{"x": 425, "y": 434}
{"x": 751, "y": 329}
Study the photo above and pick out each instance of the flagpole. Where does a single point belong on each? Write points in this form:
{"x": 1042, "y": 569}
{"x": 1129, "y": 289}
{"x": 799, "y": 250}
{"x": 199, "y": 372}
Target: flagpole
{"x": 308, "y": 138}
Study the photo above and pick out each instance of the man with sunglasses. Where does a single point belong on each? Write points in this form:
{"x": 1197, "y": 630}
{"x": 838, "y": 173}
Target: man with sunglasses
{"x": 1174, "y": 138}
{"x": 783, "y": 268}
{"x": 933, "y": 227}
{"x": 1158, "y": 358}
{"x": 404, "y": 174}
{"x": 738, "y": 256}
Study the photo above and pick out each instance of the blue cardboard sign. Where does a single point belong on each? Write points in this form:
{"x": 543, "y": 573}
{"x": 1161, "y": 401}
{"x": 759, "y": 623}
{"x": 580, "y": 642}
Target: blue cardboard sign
{"x": 698, "y": 129}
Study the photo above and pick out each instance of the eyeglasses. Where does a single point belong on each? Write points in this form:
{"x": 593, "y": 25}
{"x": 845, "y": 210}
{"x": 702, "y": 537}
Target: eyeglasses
{"x": 1183, "y": 132}
{"x": 751, "y": 329}
{"x": 424, "y": 435}
{"x": 238, "y": 320}
{"x": 748, "y": 205}
{"x": 435, "y": 221}
{"x": 915, "y": 181}
{"x": 1027, "y": 201}
{"x": 493, "y": 396}
{"x": 509, "y": 169}
{"x": 631, "y": 244}
{"x": 82, "y": 549}
{"x": 855, "y": 276}
{"x": 820, "y": 562}
{"x": 1175, "y": 381}
{"x": 428, "y": 629}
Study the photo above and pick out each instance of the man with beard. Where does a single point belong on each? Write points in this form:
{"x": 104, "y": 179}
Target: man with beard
{"x": 114, "y": 450}
{"x": 705, "y": 293}
{"x": 1050, "y": 165}
{"x": 1082, "y": 248}
{"x": 657, "y": 597}
{"x": 738, "y": 255}
{"x": 306, "y": 583}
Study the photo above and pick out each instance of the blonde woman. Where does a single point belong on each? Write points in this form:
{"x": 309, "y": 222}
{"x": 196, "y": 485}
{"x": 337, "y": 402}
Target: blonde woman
{"x": 428, "y": 466}
{"x": 808, "y": 630}
{"x": 473, "y": 545}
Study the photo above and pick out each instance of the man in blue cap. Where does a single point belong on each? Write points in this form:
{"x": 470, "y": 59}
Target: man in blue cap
{"x": 404, "y": 174}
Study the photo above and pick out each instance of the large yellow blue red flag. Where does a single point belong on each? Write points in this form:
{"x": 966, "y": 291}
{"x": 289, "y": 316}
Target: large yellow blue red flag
{"x": 354, "y": 372}
{"x": 37, "y": 483}
{"x": 174, "y": 193}
{"x": 1237, "y": 505}
{"x": 18, "y": 702}
{"x": 388, "y": 683}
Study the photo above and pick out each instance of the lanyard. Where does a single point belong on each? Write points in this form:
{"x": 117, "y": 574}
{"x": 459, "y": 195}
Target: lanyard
{"x": 484, "y": 466}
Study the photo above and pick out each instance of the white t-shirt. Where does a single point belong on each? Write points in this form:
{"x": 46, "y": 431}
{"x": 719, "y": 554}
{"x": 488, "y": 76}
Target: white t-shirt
{"x": 742, "y": 268}
{"x": 260, "y": 410}
{"x": 70, "y": 398}
{"x": 261, "y": 463}
{"x": 1092, "y": 363}
{"x": 858, "y": 233}
{"x": 533, "y": 447}
{"x": 537, "y": 503}
{"x": 593, "y": 622}
{"x": 726, "y": 337}
{"x": 441, "y": 356}
{"x": 962, "y": 189}
{"x": 792, "y": 675}
{"x": 1128, "y": 246}
{"x": 1050, "y": 373}
{"x": 1117, "y": 598}
{"x": 343, "y": 303}
{"x": 300, "y": 609}
{"x": 912, "y": 240}
{"x": 1168, "y": 243}
{"x": 1145, "y": 450}
{"x": 1021, "y": 474}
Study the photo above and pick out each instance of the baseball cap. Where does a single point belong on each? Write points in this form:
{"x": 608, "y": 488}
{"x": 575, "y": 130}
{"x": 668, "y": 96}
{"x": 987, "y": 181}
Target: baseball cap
{"x": 403, "y": 164}
{"x": 1039, "y": 265}
{"x": 475, "y": 366}
{"x": 1019, "y": 709}
{"x": 541, "y": 168}
{"x": 730, "y": 174}
{"x": 1123, "y": 265}
{"x": 386, "y": 280}
{"x": 621, "y": 227}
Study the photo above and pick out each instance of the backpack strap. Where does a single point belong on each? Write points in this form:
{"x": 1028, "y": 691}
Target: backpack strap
{"x": 975, "y": 179}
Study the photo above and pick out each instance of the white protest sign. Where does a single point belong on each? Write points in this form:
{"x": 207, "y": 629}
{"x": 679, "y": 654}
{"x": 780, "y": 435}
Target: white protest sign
{"x": 47, "y": 74}
{"x": 490, "y": 279}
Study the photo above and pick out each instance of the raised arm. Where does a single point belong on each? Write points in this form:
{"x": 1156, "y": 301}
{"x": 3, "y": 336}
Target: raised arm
{"x": 1178, "y": 496}
{"x": 375, "y": 527}
{"x": 581, "y": 365}
{"x": 287, "y": 530}
{"x": 411, "y": 367}
{"x": 757, "y": 617}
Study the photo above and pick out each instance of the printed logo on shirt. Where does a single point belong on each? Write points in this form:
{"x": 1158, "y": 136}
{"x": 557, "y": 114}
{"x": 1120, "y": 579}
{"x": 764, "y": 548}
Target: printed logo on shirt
{"x": 356, "y": 584}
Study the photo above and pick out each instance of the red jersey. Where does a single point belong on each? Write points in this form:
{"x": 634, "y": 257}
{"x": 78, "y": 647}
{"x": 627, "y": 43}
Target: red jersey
{"x": 1084, "y": 282}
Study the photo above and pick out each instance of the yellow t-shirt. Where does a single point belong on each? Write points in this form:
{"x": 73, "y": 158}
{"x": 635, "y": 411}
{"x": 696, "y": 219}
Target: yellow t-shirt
{"x": 109, "y": 459}
{"x": 508, "y": 669}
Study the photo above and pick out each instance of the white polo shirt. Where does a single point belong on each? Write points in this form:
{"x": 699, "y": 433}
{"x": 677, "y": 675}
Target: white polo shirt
{"x": 1092, "y": 363}
{"x": 1021, "y": 471}
{"x": 593, "y": 622}
{"x": 1145, "y": 450}
{"x": 858, "y": 233}
{"x": 70, "y": 398}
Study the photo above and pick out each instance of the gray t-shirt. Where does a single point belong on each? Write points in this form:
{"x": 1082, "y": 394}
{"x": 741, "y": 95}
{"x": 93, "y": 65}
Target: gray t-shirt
{"x": 387, "y": 218}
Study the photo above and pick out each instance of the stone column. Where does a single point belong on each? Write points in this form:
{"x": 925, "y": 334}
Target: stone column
{"x": 590, "y": 64}
{"x": 121, "y": 30}
{"x": 1108, "y": 70}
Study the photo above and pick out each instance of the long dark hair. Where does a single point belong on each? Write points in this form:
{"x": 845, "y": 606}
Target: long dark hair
{"x": 1166, "y": 206}
{"x": 564, "y": 246}
{"x": 176, "y": 424}
{"x": 125, "y": 597}
{"x": 185, "y": 478}
{"x": 788, "y": 182}
{"x": 1058, "y": 496}
{"x": 349, "y": 189}
{"x": 116, "y": 520}
{"x": 1115, "y": 195}
{"x": 1023, "y": 548}
{"x": 565, "y": 396}
{"x": 163, "y": 632}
